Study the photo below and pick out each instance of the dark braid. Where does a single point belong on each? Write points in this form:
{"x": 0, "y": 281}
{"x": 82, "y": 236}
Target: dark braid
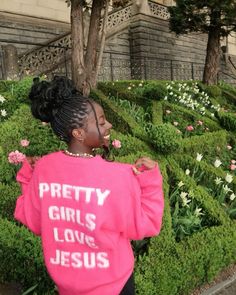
{"x": 59, "y": 103}
{"x": 71, "y": 115}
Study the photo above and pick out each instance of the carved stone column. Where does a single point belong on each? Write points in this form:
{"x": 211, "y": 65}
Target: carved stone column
{"x": 141, "y": 6}
{"x": 10, "y": 62}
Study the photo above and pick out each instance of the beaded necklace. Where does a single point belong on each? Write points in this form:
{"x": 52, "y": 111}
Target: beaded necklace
{"x": 79, "y": 155}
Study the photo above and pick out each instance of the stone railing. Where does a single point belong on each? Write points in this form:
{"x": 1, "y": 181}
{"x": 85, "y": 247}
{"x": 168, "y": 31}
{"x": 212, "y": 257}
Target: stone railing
{"x": 42, "y": 59}
{"x": 158, "y": 10}
{"x": 46, "y": 57}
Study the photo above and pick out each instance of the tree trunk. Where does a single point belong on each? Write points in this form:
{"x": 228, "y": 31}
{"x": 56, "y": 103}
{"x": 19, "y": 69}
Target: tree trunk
{"x": 210, "y": 75}
{"x": 103, "y": 39}
{"x": 77, "y": 46}
{"x": 92, "y": 46}
{"x": 85, "y": 66}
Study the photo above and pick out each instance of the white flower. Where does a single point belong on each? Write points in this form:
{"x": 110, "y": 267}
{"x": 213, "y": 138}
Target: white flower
{"x": 2, "y": 99}
{"x": 3, "y": 113}
{"x": 199, "y": 157}
{"x": 232, "y": 196}
{"x": 184, "y": 199}
{"x": 229, "y": 178}
{"x": 218, "y": 180}
{"x": 129, "y": 88}
{"x": 183, "y": 195}
{"x": 187, "y": 171}
{"x": 226, "y": 189}
{"x": 217, "y": 163}
{"x": 180, "y": 184}
{"x": 198, "y": 212}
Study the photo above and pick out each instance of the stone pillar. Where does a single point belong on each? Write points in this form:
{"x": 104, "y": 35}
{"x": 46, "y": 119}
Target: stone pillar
{"x": 10, "y": 62}
{"x": 141, "y": 6}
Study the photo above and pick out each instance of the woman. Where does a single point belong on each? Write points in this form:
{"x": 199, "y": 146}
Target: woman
{"x": 85, "y": 208}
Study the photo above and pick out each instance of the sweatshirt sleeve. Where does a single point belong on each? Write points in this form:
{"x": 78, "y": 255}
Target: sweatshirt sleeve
{"x": 148, "y": 205}
{"x": 27, "y": 209}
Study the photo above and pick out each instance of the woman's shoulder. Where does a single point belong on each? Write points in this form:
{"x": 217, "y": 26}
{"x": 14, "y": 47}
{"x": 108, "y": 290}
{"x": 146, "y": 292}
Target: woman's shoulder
{"x": 46, "y": 159}
{"x": 118, "y": 166}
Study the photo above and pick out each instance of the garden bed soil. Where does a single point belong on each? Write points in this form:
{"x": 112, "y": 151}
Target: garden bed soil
{"x": 224, "y": 275}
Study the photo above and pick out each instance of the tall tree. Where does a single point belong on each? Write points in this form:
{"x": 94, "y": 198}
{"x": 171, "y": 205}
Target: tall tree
{"x": 216, "y": 18}
{"x": 88, "y": 44}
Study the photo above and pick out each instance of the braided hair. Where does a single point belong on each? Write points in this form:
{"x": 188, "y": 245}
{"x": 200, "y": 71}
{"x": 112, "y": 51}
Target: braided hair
{"x": 61, "y": 104}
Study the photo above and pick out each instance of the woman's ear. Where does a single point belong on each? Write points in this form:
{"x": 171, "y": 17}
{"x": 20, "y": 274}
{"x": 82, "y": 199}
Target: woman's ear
{"x": 78, "y": 134}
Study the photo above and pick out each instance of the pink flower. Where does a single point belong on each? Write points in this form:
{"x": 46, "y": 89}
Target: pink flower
{"x": 229, "y": 147}
{"x": 116, "y": 144}
{"x": 24, "y": 142}
{"x": 232, "y": 167}
{"x": 189, "y": 128}
{"x": 199, "y": 123}
{"x": 16, "y": 157}
{"x": 233, "y": 161}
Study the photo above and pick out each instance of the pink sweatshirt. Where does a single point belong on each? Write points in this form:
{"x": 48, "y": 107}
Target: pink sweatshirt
{"x": 86, "y": 212}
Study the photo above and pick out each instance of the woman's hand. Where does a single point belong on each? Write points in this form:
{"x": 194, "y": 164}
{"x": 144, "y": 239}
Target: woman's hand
{"x": 32, "y": 160}
{"x": 142, "y": 164}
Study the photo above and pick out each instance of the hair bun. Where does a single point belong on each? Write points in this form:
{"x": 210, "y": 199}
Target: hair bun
{"x": 48, "y": 97}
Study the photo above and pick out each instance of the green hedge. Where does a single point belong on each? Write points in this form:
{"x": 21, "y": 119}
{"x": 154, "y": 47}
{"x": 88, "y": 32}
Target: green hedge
{"x": 21, "y": 258}
{"x": 23, "y": 126}
{"x": 157, "y": 112}
{"x": 8, "y": 196}
{"x": 207, "y": 143}
{"x": 227, "y": 120}
{"x": 168, "y": 267}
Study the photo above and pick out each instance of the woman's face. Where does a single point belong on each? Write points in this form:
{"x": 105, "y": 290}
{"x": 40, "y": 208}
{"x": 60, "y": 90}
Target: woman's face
{"x": 92, "y": 137}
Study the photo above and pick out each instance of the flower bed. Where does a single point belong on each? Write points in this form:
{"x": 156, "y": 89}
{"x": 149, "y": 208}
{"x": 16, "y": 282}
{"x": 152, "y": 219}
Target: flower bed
{"x": 198, "y": 236}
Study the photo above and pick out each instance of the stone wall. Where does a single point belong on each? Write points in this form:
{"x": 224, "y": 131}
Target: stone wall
{"x": 26, "y": 32}
{"x": 148, "y": 50}
{"x": 56, "y": 10}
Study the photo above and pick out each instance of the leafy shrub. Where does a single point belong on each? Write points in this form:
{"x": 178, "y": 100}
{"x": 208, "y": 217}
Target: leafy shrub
{"x": 7, "y": 171}
{"x": 213, "y": 91}
{"x": 154, "y": 91}
{"x": 157, "y": 112}
{"x": 21, "y": 258}
{"x": 9, "y": 194}
{"x": 8, "y": 105}
{"x": 227, "y": 120}
{"x": 22, "y": 88}
{"x": 7, "y": 85}
{"x": 163, "y": 137}
{"x": 42, "y": 140}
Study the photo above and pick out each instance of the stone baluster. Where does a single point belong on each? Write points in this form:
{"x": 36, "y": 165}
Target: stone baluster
{"x": 10, "y": 62}
{"x": 141, "y": 6}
